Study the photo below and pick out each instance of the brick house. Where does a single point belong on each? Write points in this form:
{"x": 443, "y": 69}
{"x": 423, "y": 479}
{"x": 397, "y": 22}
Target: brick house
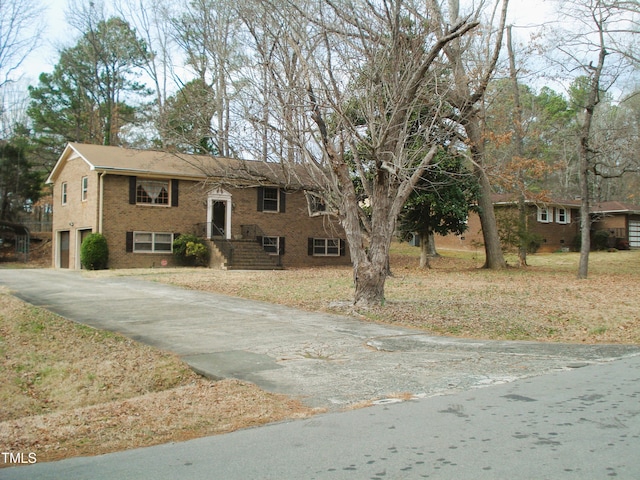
{"x": 253, "y": 214}
{"x": 555, "y": 222}
{"x": 621, "y": 220}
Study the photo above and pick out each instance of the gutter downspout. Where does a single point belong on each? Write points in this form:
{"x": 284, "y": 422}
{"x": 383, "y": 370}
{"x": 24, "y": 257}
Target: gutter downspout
{"x": 101, "y": 201}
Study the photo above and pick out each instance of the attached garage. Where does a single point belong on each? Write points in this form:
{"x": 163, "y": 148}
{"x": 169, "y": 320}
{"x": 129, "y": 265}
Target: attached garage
{"x": 622, "y": 220}
{"x": 634, "y": 233}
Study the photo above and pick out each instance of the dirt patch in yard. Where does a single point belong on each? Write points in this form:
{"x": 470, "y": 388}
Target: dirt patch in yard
{"x": 70, "y": 390}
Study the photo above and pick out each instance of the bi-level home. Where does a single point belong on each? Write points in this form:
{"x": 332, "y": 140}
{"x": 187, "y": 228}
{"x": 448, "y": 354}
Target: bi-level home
{"x": 254, "y": 214}
{"x": 556, "y": 223}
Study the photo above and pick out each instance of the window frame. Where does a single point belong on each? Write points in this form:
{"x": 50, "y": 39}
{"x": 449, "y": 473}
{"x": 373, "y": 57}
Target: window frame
{"x": 276, "y": 200}
{"x": 84, "y": 188}
{"x": 166, "y": 184}
{"x": 153, "y": 243}
{"x": 64, "y": 193}
{"x": 267, "y": 248}
{"x": 324, "y": 249}
{"x": 567, "y": 215}
{"x": 316, "y": 205}
{"x": 545, "y": 215}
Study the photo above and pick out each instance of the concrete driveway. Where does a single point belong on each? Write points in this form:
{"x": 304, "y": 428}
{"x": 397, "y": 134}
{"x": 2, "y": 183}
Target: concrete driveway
{"x": 325, "y": 360}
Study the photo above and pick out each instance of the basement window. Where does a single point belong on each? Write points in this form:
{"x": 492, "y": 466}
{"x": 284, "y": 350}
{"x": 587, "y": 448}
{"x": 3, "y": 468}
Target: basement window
{"x": 273, "y": 245}
{"x": 325, "y": 247}
{"x": 152, "y": 242}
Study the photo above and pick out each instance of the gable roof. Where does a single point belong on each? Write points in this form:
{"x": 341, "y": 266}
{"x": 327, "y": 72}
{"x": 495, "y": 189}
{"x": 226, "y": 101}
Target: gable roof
{"x": 155, "y": 163}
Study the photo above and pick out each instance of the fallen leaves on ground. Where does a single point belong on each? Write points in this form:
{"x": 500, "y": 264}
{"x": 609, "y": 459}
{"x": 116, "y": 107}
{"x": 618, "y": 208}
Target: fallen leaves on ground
{"x": 70, "y": 390}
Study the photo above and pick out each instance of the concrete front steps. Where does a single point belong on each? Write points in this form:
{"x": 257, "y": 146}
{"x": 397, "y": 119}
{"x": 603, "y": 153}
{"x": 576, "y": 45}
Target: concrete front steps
{"x": 247, "y": 255}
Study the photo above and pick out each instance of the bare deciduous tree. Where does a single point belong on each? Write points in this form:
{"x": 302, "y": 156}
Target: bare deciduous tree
{"x": 207, "y": 31}
{"x": 473, "y": 61}
{"x": 352, "y": 79}
{"x": 152, "y": 22}
{"x": 600, "y": 46}
{"x": 20, "y": 32}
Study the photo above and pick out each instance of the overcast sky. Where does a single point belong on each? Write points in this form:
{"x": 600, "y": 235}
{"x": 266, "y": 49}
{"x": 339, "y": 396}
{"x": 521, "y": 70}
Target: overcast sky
{"x": 523, "y": 13}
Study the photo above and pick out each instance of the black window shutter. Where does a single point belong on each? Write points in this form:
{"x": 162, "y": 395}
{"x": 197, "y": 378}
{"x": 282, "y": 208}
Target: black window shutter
{"x": 281, "y": 246}
{"x": 174, "y": 192}
{"x": 259, "y": 240}
{"x": 283, "y": 197}
{"x": 342, "y": 248}
{"x": 133, "y": 182}
{"x": 129, "y": 243}
{"x": 260, "y": 198}
{"x": 310, "y": 247}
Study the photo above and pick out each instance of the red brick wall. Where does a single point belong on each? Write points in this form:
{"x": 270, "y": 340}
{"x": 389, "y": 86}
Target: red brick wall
{"x": 470, "y": 240}
{"x": 76, "y": 215}
{"x": 295, "y": 224}
{"x": 554, "y": 235}
{"x": 121, "y": 217}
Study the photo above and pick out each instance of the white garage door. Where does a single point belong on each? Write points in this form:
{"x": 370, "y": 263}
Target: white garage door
{"x": 634, "y": 233}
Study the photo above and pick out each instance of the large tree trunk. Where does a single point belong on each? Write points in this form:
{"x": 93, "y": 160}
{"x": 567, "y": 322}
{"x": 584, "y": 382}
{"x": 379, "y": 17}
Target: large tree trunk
{"x": 586, "y": 157}
{"x": 493, "y": 250}
{"x": 370, "y": 262}
{"x": 424, "y": 250}
{"x": 371, "y": 258}
{"x": 427, "y": 248}
{"x": 494, "y": 258}
{"x": 518, "y": 141}
{"x": 585, "y": 235}
{"x": 370, "y": 279}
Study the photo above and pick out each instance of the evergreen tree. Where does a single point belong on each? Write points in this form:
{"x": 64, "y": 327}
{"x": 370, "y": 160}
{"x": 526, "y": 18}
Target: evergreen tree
{"x": 20, "y": 183}
{"x": 92, "y": 92}
{"x": 440, "y": 203}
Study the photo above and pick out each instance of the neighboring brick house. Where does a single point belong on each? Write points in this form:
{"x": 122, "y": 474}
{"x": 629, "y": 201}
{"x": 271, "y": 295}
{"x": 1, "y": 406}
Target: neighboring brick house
{"x": 621, "y": 220}
{"x": 556, "y": 222}
{"x": 141, "y": 200}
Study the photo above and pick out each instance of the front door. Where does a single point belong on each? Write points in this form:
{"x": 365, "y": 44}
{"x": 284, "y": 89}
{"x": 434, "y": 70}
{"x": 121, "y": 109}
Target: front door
{"x": 64, "y": 249}
{"x": 219, "y": 218}
{"x": 219, "y": 214}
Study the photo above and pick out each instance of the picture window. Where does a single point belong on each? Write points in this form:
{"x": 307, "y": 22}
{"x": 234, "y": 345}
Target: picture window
{"x": 152, "y": 192}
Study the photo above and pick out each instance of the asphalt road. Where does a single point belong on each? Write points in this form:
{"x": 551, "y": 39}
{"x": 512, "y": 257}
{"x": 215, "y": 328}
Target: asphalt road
{"x": 549, "y": 410}
{"x": 581, "y": 424}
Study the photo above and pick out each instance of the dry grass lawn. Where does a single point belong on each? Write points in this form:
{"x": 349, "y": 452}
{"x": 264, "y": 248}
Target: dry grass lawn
{"x": 70, "y": 390}
{"x": 543, "y": 302}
